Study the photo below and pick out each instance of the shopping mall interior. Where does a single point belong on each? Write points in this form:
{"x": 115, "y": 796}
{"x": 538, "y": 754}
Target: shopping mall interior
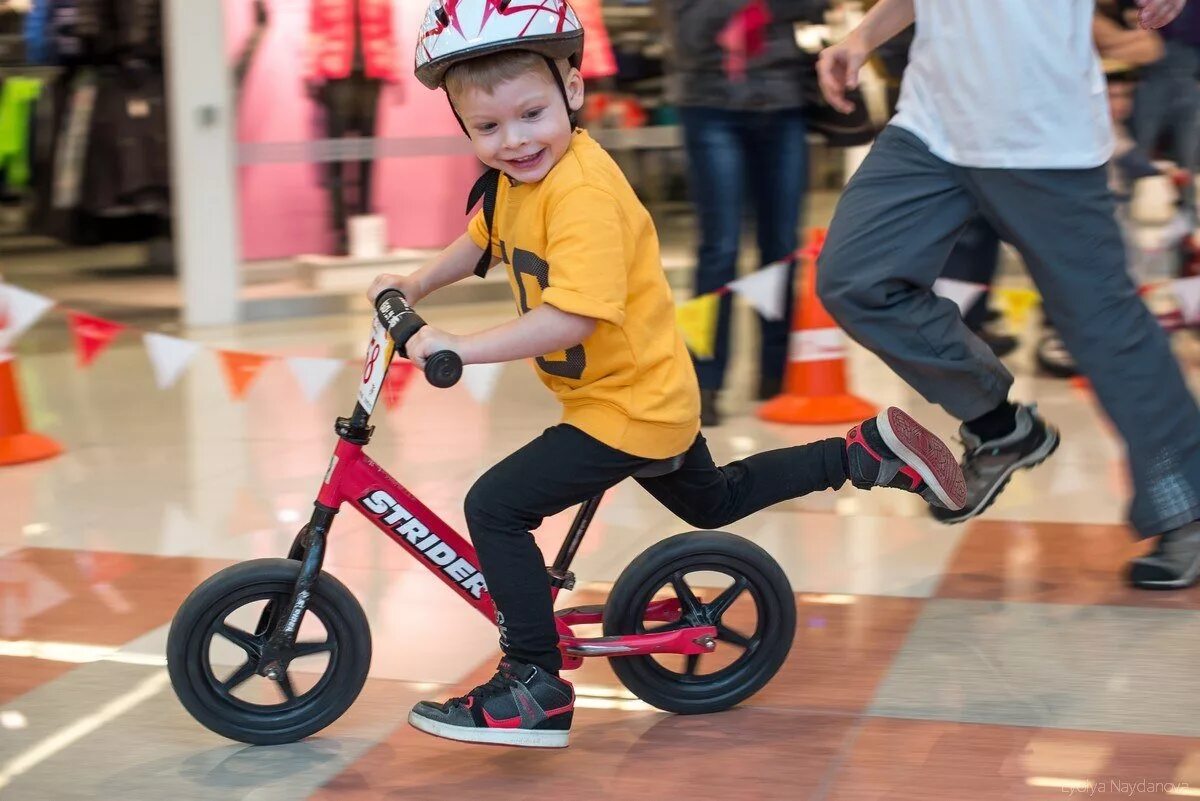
{"x": 187, "y": 316}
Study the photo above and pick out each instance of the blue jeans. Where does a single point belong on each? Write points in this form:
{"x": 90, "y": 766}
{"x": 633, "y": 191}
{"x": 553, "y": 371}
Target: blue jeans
{"x": 1168, "y": 101}
{"x": 764, "y": 153}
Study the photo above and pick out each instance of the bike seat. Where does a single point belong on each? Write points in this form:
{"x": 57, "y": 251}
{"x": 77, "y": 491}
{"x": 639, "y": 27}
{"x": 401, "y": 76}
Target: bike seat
{"x": 661, "y": 467}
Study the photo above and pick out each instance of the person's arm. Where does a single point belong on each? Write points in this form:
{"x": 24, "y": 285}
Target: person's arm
{"x": 885, "y": 19}
{"x": 453, "y": 264}
{"x": 542, "y": 331}
{"x": 839, "y": 65}
{"x": 1136, "y": 47}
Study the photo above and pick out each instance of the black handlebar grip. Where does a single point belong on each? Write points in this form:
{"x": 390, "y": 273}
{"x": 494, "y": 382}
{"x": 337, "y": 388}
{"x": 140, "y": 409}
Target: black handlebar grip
{"x": 398, "y": 318}
{"x": 443, "y": 369}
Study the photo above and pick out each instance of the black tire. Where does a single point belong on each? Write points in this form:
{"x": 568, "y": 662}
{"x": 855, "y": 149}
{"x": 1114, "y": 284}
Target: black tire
{"x": 200, "y": 691}
{"x": 714, "y": 551}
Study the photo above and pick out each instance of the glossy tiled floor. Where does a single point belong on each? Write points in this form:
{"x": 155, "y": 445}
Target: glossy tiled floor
{"x": 1003, "y": 659}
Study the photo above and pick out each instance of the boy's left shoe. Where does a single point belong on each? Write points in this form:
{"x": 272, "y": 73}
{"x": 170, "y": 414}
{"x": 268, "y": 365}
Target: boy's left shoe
{"x": 894, "y": 450}
{"x": 521, "y": 705}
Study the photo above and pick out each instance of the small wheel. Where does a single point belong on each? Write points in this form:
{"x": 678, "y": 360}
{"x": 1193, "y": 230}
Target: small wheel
{"x": 214, "y": 646}
{"x": 749, "y": 600}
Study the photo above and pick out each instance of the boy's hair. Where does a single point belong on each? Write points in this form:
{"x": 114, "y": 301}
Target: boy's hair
{"x": 488, "y": 72}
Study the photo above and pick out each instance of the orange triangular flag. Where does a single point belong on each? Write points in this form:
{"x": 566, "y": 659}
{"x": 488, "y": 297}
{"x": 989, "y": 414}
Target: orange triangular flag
{"x": 401, "y": 372}
{"x": 241, "y": 369}
{"x": 92, "y": 335}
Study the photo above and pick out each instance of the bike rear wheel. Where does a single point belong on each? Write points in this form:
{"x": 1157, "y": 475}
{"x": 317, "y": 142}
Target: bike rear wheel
{"x": 750, "y": 603}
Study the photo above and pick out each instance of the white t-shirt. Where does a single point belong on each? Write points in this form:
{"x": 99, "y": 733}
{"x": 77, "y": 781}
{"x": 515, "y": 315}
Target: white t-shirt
{"x": 1007, "y": 83}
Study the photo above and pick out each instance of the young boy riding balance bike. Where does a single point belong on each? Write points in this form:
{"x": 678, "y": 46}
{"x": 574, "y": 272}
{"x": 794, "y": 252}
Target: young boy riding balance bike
{"x": 596, "y": 315}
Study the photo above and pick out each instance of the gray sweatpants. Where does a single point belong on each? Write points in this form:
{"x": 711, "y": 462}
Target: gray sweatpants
{"x": 894, "y": 227}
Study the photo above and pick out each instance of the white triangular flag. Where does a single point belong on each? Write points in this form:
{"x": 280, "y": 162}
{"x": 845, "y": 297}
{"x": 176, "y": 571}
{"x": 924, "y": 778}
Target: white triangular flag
{"x": 314, "y": 374}
{"x": 765, "y": 289}
{"x": 961, "y": 292}
{"x": 19, "y": 309}
{"x": 169, "y": 356}
{"x": 481, "y": 380}
{"x": 1187, "y": 292}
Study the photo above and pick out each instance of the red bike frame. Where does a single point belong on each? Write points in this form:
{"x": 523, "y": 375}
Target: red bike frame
{"x": 354, "y": 479}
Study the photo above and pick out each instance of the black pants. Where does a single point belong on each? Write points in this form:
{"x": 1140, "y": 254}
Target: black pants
{"x": 565, "y": 467}
{"x": 351, "y": 107}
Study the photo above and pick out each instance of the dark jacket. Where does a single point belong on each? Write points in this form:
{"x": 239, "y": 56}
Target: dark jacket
{"x": 697, "y": 77}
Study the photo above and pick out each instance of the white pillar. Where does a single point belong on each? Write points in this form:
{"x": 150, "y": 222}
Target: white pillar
{"x": 204, "y": 191}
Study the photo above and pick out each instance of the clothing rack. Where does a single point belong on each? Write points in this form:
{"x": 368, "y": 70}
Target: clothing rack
{"x": 31, "y": 71}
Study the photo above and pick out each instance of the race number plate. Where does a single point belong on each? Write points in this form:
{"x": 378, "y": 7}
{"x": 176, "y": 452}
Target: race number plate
{"x": 379, "y": 356}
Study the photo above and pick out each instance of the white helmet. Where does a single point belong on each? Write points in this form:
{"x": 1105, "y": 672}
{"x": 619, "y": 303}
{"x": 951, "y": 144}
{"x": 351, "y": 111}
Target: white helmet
{"x": 457, "y": 30}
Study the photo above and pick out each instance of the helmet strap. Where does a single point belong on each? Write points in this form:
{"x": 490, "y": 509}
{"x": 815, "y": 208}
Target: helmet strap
{"x": 562, "y": 90}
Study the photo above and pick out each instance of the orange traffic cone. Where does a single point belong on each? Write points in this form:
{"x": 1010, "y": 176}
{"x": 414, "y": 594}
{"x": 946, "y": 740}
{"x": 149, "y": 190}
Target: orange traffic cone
{"x": 815, "y": 388}
{"x": 17, "y": 445}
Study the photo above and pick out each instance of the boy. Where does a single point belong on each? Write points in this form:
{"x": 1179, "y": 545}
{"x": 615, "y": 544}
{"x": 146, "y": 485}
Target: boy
{"x": 597, "y": 315}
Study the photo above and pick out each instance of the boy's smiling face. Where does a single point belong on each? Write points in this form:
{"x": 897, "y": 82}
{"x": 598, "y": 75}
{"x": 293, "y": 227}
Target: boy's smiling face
{"x": 521, "y": 127}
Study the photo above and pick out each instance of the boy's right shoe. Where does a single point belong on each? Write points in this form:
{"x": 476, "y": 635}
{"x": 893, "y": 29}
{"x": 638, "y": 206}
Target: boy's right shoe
{"x": 988, "y": 466}
{"x": 521, "y": 705}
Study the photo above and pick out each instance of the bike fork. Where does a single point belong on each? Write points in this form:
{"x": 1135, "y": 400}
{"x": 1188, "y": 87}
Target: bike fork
{"x": 282, "y": 624}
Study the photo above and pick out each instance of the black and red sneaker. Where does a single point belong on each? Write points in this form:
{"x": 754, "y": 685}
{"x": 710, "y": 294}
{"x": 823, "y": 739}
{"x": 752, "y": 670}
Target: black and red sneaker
{"x": 521, "y": 705}
{"x": 894, "y": 450}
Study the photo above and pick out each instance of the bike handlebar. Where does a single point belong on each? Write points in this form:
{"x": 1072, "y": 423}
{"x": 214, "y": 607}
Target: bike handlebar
{"x": 442, "y": 369}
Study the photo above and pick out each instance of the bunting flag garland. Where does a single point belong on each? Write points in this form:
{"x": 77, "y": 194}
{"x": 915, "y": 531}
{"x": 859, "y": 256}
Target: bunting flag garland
{"x": 169, "y": 356}
{"x": 397, "y": 380}
{"x": 314, "y": 375}
{"x": 92, "y": 335}
{"x": 481, "y": 380}
{"x": 1016, "y": 304}
{"x": 241, "y": 369}
{"x": 962, "y": 293}
{"x": 766, "y": 289}
{"x": 19, "y": 309}
{"x": 697, "y": 321}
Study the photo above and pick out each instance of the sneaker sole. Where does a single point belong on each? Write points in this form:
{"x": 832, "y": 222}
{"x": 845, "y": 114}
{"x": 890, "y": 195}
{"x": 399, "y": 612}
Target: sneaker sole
{"x": 1032, "y": 460}
{"x": 924, "y": 451}
{"x": 524, "y": 738}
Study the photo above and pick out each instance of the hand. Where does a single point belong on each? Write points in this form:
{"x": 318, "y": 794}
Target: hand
{"x": 404, "y": 283}
{"x": 1157, "y": 13}
{"x": 428, "y": 341}
{"x": 837, "y": 71}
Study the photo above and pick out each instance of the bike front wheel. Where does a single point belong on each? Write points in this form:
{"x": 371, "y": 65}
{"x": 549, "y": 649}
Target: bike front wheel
{"x": 217, "y": 638}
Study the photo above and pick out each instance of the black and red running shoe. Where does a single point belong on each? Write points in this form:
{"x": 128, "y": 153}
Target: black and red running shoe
{"x": 521, "y": 705}
{"x": 894, "y": 450}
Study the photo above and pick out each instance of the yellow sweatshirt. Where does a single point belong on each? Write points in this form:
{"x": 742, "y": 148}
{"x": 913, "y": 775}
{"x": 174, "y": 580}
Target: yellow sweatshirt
{"x": 581, "y": 241}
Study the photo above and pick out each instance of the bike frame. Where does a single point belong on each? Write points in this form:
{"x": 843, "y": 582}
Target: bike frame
{"x": 354, "y": 479}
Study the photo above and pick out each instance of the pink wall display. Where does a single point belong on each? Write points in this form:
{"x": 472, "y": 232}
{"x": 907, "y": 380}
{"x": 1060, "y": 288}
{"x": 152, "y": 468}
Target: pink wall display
{"x": 285, "y": 209}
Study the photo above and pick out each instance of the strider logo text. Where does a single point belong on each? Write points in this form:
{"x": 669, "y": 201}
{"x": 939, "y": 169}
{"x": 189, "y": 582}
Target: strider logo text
{"x": 430, "y": 545}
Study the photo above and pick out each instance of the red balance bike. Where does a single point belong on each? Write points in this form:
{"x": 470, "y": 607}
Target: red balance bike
{"x": 260, "y": 618}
